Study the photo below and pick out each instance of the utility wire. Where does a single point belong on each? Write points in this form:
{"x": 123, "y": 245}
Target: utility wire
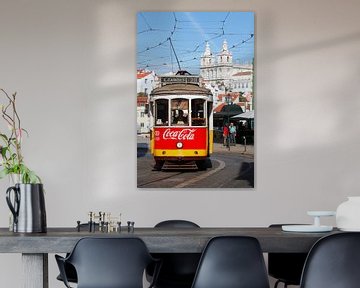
{"x": 178, "y": 30}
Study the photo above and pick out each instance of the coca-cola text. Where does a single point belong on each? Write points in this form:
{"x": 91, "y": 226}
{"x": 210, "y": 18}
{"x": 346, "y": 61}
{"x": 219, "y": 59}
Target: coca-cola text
{"x": 184, "y": 134}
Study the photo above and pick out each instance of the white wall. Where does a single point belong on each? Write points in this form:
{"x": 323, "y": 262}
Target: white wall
{"x": 73, "y": 66}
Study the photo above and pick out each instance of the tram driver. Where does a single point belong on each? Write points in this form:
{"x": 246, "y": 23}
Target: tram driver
{"x": 180, "y": 119}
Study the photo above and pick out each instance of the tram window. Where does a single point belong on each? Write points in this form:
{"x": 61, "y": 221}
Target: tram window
{"x": 161, "y": 112}
{"x": 180, "y": 112}
{"x": 197, "y": 112}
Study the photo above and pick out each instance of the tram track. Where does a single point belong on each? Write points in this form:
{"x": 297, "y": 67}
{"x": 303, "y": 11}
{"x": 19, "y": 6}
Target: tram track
{"x": 202, "y": 176}
{"x": 161, "y": 178}
{"x": 183, "y": 183}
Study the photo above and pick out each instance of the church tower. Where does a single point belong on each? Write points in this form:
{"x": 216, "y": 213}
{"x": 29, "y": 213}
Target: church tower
{"x": 206, "y": 62}
{"x": 225, "y": 56}
{"x": 207, "y": 58}
{"x": 224, "y": 64}
{"x": 219, "y": 69}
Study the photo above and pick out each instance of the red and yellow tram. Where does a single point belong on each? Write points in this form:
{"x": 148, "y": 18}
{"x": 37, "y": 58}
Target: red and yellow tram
{"x": 181, "y": 117}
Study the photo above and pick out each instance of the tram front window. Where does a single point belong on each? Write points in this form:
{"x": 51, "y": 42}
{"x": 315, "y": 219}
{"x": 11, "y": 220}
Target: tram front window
{"x": 179, "y": 112}
{"x": 161, "y": 112}
{"x": 197, "y": 112}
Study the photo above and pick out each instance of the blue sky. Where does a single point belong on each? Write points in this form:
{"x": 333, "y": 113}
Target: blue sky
{"x": 188, "y": 32}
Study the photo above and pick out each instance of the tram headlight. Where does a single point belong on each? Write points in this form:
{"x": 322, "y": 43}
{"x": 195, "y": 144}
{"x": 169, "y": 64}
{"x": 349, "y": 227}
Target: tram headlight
{"x": 179, "y": 145}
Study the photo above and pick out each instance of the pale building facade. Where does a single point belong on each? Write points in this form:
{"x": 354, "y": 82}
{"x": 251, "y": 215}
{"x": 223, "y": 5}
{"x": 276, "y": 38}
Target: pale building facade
{"x": 143, "y": 119}
{"x": 220, "y": 71}
{"x": 221, "y": 75}
{"x": 146, "y": 81}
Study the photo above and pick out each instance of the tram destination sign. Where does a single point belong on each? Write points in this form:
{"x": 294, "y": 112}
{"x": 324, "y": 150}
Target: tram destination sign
{"x": 179, "y": 79}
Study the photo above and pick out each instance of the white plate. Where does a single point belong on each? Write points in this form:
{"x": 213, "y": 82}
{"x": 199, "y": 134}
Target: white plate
{"x": 306, "y": 228}
{"x": 321, "y": 213}
{"x": 350, "y": 229}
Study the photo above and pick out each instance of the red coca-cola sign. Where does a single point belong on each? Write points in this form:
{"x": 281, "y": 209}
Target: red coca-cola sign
{"x": 192, "y": 138}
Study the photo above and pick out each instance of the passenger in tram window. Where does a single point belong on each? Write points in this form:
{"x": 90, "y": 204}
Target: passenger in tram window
{"x": 162, "y": 122}
{"x": 197, "y": 114}
{"x": 161, "y": 112}
{"x": 180, "y": 119}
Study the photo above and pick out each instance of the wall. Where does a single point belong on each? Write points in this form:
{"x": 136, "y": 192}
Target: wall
{"x": 72, "y": 64}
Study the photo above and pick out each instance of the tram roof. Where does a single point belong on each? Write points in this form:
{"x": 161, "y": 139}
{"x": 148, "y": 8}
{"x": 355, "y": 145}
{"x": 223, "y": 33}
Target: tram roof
{"x": 180, "y": 89}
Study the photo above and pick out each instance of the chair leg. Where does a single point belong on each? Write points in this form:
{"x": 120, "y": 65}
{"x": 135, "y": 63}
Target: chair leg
{"x": 279, "y": 281}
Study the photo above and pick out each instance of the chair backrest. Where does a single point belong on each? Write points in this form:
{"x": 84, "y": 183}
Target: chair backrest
{"x": 178, "y": 269}
{"x": 287, "y": 267}
{"x": 110, "y": 262}
{"x": 176, "y": 224}
{"x": 333, "y": 262}
{"x": 232, "y": 262}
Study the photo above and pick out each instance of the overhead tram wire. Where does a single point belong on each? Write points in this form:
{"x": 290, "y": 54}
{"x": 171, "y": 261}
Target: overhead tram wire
{"x": 175, "y": 27}
{"x": 146, "y": 22}
{"x": 194, "y": 58}
{"x": 162, "y": 42}
{"x": 150, "y": 29}
{"x": 223, "y": 23}
{"x": 243, "y": 41}
{"x": 175, "y": 32}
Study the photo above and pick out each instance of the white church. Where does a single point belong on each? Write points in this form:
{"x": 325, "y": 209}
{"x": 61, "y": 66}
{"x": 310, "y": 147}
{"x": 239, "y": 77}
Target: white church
{"x": 220, "y": 71}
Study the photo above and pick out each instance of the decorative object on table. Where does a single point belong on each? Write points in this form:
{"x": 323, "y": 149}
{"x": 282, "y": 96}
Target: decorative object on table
{"x": 102, "y": 222}
{"x": 130, "y": 225}
{"x": 27, "y": 204}
{"x": 28, "y": 207}
{"x": 316, "y": 227}
{"x": 348, "y": 214}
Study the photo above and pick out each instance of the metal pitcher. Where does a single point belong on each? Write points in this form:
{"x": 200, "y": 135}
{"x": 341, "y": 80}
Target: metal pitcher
{"x": 27, "y": 207}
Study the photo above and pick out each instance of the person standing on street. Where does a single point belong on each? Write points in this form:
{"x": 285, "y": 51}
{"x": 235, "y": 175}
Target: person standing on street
{"x": 226, "y": 134}
{"x": 232, "y": 131}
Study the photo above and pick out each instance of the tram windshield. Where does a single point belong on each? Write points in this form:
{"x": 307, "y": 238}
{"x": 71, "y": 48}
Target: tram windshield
{"x": 161, "y": 112}
{"x": 183, "y": 112}
{"x": 180, "y": 112}
{"x": 197, "y": 112}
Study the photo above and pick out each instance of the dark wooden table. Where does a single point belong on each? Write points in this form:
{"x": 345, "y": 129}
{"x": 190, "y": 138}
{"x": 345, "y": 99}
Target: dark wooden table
{"x": 35, "y": 247}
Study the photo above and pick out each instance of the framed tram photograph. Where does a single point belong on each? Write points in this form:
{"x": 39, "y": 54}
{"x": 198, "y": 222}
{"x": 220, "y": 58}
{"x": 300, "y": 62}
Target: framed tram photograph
{"x": 195, "y": 100}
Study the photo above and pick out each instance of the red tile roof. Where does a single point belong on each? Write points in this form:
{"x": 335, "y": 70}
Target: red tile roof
{"x": 233, "y": 96}
{"x": 141, "y": 74}
{"x": 219, "y": 107}
{"x": 141, "y": 100}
